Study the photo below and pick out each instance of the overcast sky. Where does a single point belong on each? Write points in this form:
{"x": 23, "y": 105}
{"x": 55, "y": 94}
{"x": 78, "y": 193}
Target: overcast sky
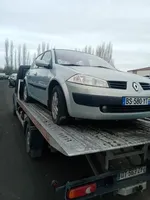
{"x": 75, "y": 23}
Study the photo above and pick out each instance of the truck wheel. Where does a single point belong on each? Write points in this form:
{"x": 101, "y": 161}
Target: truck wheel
{"x": 58, "y": 106}
{"x": 34, "y": 142}
{"x": 26, "y": 97}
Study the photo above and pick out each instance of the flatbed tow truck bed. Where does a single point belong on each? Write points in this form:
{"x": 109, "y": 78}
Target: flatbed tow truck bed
{"x": 86, "y": 137}
{"x": 101, "y": 143}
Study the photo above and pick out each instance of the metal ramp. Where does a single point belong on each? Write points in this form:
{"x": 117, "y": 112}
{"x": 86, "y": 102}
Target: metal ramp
{"x": 87, "y": 137}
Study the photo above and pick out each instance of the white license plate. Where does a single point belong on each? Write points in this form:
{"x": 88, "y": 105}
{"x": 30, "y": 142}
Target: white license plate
{"x": 131, "y": 173}
{"x": 129, "y": 101}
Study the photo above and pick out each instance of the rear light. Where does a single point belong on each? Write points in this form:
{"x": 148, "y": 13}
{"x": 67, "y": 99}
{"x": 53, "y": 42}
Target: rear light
{"x": 81, "y": 191}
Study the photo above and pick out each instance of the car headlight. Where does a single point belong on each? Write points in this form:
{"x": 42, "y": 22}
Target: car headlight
{"x": 88, "y": 80}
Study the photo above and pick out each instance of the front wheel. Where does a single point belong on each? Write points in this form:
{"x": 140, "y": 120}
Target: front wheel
{"x": 58, "y": 106}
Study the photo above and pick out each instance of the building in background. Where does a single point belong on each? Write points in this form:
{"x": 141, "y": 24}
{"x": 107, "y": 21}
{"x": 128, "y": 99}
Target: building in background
{"x": 142, "y": 71}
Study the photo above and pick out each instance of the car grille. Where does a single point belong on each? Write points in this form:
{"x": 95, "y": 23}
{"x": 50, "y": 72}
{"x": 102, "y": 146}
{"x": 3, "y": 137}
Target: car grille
{"x": 118, "y": 84}
{"x": 124, "y": 109}
{"x": 145, "y": 86}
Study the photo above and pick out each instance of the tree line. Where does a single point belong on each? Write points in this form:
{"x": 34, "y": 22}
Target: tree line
{"x": 16, "y": 56}
{"x": 104, "y": 50}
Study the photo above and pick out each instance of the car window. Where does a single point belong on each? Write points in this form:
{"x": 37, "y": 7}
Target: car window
{"x": 47, "y": 56}
{"x": 77, "y": 58}
{"x": 33, "y": 66}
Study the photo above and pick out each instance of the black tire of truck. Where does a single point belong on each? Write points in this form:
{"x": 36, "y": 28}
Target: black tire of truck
{"x": 61, "y": 116}
{"x": 34, "y": 141}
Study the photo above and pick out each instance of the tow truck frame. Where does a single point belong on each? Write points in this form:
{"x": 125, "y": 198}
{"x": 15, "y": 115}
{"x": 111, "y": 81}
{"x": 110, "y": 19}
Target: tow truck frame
{"x": 101, "y": 143}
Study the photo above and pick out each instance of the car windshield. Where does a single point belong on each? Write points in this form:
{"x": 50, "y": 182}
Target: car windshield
{"x": 77, "y": 58}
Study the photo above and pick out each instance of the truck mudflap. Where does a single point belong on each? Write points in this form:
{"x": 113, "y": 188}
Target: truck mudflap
{"x": 105, "y": 183}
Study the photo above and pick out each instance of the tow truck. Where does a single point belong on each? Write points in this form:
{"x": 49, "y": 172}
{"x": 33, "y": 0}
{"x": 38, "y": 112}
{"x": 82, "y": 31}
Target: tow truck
{"x": 117, "y": 152}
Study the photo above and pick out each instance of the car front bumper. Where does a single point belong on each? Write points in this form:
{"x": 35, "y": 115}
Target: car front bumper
{"x": 103, "y": 103}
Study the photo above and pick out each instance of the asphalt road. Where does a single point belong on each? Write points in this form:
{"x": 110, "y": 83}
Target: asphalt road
{"x": 22, "y": 178}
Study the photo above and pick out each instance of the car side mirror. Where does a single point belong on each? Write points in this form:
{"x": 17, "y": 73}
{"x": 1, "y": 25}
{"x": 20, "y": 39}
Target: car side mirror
{"x": 42, "y": 63}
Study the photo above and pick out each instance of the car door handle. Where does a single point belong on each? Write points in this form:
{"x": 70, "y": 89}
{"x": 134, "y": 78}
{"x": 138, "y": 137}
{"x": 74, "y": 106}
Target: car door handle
{"x": 35, "y": 74}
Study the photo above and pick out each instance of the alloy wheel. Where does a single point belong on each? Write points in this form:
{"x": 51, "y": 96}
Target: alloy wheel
{"x": 55, "y": 105}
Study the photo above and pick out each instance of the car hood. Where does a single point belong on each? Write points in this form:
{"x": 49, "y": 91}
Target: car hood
{"x": 110, "y": 74}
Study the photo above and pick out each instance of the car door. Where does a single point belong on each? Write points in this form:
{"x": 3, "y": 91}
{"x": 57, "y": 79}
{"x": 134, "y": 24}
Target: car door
{"x": 43, "y": 78}
{"x": 31, "y": 78}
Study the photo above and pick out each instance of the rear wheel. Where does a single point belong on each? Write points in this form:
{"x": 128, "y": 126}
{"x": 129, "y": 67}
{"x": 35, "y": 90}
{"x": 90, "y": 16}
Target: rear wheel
{"x": 58, "y": 106}
{"x": 34, "y": 141}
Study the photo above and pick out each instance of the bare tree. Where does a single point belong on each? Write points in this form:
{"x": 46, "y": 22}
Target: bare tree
{"x": 19, "y": 55}
{"x": 100, "y": 49}
{"x": 11, "y": 54}
{"x": 108, "y": 53}
{"x": 47, "y": 46}
{"x": 24, "y": 54}
{"x": 86, "y": 49}
{"x": 28, "y": 58}
{"x": 105, "y": 51}
{"x": 39, "y": 49}
{"x": 7, "y": 53}
{"x": 89, "y": 49}
{"x": 43, "y": 46}
{"x": 34, "y": 56}
{"x": 15, "y": 59}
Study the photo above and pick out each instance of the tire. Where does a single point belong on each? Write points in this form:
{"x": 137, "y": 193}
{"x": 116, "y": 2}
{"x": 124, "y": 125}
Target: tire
{"x": 58, "y": 106}
{"x": 34, "y": 142}
{"x": 26, "y": 97}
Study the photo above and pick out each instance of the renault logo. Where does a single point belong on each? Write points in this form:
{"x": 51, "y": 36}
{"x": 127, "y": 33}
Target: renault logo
{"x": 135, "y": 86}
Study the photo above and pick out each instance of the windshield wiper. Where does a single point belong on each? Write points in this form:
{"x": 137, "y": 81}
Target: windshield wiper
{"x": 101, "y": 67}
{"x": 71, "y": 65}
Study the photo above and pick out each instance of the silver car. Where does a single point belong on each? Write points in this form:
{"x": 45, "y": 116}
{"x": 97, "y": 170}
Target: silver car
{"x": 81, "y": 85}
